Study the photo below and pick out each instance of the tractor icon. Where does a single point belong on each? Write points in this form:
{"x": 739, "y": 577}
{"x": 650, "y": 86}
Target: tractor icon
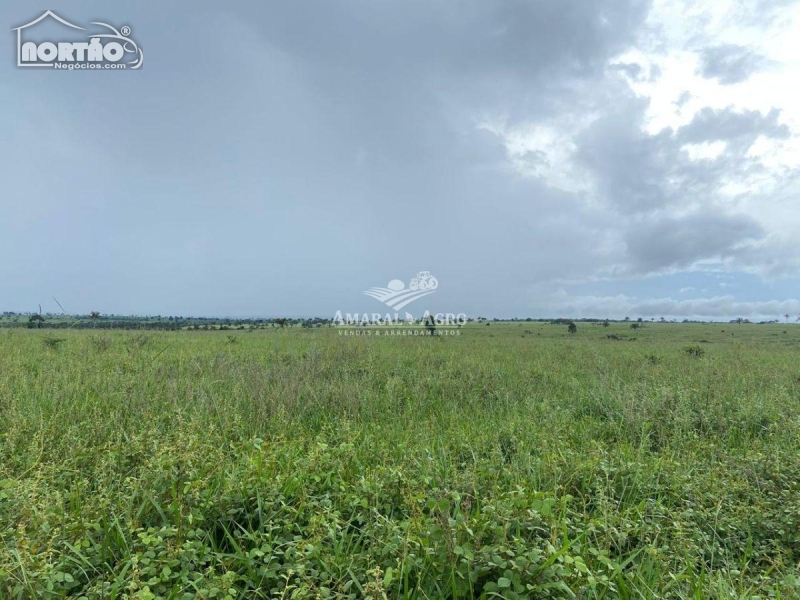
{"x": 424, "y": 281}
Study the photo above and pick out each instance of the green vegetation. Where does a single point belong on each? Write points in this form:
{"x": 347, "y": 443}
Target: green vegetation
{"x": 511, "y": 461}
{"x": 94, "y": 320}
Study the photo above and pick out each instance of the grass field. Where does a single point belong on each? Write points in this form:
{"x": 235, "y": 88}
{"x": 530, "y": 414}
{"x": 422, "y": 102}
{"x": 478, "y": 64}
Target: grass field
{"x": 514, "y": 460}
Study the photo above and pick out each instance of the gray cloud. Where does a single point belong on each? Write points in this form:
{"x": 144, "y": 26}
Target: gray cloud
{"x": 670, "y": 212}
{"x": 730, "y": 63}
{"x": 666, "y": 242}
{"x": 629, "y": 166}
{"x": 632, "y": 70}
{"x": 279, "y": 159}
{"x": 323, "y": 147}
{"x": 727, "y": 125}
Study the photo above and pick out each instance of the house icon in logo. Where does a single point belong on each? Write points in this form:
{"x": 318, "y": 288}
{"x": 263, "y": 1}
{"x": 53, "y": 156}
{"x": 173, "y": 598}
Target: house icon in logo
{"x": 102, "y": 50}
{"x": 19, "y": 29}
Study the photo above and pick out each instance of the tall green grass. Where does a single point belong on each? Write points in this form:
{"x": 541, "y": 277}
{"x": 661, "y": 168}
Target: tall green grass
{"x": 512, "y": 461}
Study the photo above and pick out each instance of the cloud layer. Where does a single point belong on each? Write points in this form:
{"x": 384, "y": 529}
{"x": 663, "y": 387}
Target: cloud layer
{"x": 280, "y": 159}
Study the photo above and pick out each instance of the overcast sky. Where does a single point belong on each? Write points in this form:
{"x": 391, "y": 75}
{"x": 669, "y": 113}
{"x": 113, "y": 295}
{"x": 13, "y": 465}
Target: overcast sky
{"x": 569, "y": 158}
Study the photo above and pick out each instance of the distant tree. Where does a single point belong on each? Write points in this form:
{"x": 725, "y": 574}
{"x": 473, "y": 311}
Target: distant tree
{"x": 786, "y": 316}
{"x": 35, "y": 321}
{"x": 572, "y": 328}
{"x": 430, "y": 324}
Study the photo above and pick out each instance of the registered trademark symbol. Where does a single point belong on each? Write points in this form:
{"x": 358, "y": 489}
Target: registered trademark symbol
{"x": 126, "y": 30}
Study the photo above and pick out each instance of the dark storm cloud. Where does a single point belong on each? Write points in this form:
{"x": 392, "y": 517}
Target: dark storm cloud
{"x": 458, "y": 39}
{"x": 280, "y": 158}
{"x": 730, "y": 63}
{"x": 658, "y": 243}
{"x": 325, "y": 146}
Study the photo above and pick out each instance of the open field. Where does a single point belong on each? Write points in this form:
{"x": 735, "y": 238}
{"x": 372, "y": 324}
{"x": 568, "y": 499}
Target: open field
{"x": 514, "y": 461}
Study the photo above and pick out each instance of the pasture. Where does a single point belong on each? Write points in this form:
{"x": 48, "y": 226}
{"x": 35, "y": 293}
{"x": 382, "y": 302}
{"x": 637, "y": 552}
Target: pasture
{"x": 512, "y": 461}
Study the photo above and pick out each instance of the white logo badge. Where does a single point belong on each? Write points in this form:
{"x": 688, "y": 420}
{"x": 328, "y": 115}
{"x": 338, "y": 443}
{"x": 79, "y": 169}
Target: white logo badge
{"x": 396, "y": 295}
{"x": 105, "y": 49}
